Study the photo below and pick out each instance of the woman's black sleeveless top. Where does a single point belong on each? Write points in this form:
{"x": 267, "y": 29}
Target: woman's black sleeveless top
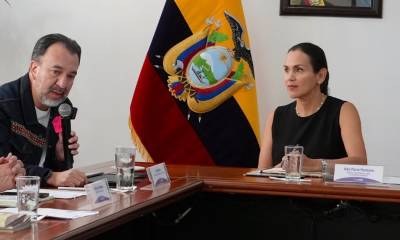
{"x": 318, "y": 133}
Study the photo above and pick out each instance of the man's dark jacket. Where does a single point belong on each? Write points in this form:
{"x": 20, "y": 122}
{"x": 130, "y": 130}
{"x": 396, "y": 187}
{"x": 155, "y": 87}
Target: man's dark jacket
{"x": 22, "y": 134}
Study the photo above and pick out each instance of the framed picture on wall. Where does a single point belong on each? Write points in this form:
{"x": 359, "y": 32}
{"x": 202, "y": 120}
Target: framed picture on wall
{"x": 337, "y": 8}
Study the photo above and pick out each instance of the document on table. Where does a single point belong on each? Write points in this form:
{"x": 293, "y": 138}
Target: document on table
{"x": 9, "y": 198}
{"x": 57, "y": 213}
{"x": 278, "y": 172}
{"x": 56, "y": 193}
{"x": 272, "y": 172}
{"x": 80, "y": 189}
{"x": 391, "y": 180}
{"x": 63, "y": 194}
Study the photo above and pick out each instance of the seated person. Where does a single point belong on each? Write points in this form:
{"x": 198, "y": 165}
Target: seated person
{"x": 10, "y": 167}
{"x": 328, "y": 128}
{"x": 28, "y": 106}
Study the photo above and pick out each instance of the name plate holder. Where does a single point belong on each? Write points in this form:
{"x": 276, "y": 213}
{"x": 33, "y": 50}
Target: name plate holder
{"x": 98, "y": 193}
{"x": 365, "y": 174}
{"x": 158, "y": 176}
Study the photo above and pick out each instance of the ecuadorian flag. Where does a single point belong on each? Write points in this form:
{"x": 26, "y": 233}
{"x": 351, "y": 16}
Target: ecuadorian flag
{"x": 195, "y": 99}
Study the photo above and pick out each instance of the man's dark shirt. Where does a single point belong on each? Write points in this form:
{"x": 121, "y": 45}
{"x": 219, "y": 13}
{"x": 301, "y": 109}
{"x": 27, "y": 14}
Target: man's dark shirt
{"x": 22, "y": 134}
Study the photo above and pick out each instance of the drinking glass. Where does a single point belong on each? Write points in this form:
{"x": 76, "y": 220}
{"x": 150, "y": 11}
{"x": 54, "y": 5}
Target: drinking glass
{"x": 294, "y": 158}
{"x": 125, "y": 165}
{"x": 28, "y": 195}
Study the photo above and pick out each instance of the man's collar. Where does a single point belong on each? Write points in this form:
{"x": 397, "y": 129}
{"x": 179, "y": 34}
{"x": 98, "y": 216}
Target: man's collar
{"x": 28, "y": 107}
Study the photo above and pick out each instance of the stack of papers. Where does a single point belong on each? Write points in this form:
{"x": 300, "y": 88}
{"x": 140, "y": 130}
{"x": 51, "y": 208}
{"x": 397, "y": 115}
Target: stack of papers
{"x": 11, "y": 222}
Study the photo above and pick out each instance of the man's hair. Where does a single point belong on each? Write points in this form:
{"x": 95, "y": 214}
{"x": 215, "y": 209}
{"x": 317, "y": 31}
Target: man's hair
{"x": 45, "y": 42}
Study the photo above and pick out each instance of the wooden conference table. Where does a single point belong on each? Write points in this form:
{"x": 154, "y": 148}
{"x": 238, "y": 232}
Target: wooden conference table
{"x": 187, "y": 180}
{"x": 232, "y": 180}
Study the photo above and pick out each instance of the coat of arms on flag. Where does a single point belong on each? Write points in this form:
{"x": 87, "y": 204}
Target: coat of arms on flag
{"x": 205, "y": 74}
{"x": 195, "y": 99}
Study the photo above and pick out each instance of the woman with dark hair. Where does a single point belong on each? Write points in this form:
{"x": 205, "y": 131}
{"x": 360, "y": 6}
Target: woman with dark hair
{"x": 328, "y": 128}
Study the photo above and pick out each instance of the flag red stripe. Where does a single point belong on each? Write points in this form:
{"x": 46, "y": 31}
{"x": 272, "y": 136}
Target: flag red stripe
{"x": 160, "y": 124}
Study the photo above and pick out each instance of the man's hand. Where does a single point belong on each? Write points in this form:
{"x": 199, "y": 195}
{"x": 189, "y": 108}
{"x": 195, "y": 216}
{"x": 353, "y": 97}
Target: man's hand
{"x": 10, "y": 167}
{"x": 73, "y": 145}
{"x": 69, "y": 178}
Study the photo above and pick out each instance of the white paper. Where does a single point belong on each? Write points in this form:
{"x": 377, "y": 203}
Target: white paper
{"x": 63, "y": 194}
{"x": 65, "y": 214}
{"x": 274, "y": 170}
{"x": 78, "y": 189}
{"x": 60, "y": 194}
{"x": 57, "y": 213}
{"x": 122, "y": 191}
{"x": 8, "y": 200}
{"x": 391, "y": 180}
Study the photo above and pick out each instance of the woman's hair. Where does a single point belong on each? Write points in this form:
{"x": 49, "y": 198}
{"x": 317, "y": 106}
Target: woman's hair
{"x": 317, "y": 58}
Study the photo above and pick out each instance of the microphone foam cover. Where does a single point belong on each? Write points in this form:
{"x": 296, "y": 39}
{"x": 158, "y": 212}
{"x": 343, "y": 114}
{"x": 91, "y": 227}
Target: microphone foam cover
{"x": 64, "y": 110}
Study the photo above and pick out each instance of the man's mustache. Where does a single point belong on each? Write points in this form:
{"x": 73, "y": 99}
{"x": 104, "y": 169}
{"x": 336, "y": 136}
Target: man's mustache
{"x": 57, "y": 89}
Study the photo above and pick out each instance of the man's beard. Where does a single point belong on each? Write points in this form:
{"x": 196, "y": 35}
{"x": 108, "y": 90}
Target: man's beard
{"x": 53, "y": 103}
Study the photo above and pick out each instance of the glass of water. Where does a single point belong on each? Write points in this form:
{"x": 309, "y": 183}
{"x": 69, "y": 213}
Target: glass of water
{"x": 294, "y": 158}
{"x": 28, "y": 195}
{"x": 125, "y": 165}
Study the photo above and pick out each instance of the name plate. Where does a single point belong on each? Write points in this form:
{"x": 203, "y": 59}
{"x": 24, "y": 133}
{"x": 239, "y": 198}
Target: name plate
{"x": 98, "y": 193}
{"x": 358, "y": 173}
{"x": 158, "y": 175}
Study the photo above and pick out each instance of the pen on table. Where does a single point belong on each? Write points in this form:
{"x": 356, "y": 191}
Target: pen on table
{"x": 72, "y": 188}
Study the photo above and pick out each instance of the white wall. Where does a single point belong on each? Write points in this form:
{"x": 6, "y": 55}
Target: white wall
{"x": 115, "y": 35}
{"x": 363, "y": 62}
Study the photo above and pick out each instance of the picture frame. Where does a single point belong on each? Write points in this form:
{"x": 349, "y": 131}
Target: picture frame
{"x": 335, "y": 8}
